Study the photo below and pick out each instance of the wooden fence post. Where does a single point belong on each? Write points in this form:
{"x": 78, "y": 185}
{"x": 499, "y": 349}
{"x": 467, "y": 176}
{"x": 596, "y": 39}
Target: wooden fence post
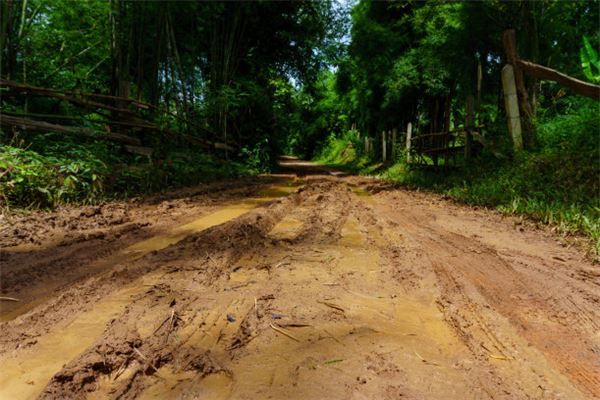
{"x": 511, "y": 103}
{"x": 469, "y": 119}
{"x": 383, "y": 147}
{"x": 408, "y": 142}
{"x": 394, "y": 137}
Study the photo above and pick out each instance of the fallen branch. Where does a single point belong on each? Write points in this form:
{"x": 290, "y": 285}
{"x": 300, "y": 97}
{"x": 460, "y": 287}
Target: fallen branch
{"x": 9, "y": 299}
{"x": 539, "y": 71}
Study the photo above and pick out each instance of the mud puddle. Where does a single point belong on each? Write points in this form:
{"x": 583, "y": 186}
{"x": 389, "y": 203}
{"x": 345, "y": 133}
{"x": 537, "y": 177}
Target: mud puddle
{"x": 218, "y": 217}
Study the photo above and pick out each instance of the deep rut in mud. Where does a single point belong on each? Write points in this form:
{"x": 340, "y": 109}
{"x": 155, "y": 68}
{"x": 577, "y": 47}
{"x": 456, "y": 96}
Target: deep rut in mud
{"x": 310, "y": 289}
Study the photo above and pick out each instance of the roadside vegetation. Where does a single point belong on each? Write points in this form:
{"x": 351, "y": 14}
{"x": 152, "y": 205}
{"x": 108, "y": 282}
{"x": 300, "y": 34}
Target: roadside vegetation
{"x": 102, "y": 99}
{"x": 431, "y": 63}
{"x": 50, "y": 172}
{"x": 557, "y": 184}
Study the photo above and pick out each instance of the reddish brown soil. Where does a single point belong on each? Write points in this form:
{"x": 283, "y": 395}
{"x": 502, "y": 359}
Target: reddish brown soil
{"x": 318, "y": 287}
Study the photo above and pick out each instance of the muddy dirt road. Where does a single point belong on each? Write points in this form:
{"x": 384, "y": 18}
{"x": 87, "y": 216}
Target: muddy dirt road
{"x": 304, "y": 285}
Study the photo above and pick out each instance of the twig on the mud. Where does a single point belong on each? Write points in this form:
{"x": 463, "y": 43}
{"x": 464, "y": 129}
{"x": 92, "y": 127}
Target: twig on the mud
{"x": 425, "y": 361}
{"x": 121, "y": 368}
{"x": 9, "y": 299}
{"x": 148, "y": 361}
{"x": 241, "y": 285}
{"x": 281, "y": 264}
{"x": 496, "y": 357}
{"x": 283, "y": 332}
{"x": 293, "y": 325}
{"x": 256, "y": 308}
{"x": 485, "y": 347}
{"x": 331, "y": 284}
{"x": 170, "y": 326}
{"x": 334, "y": 361}
{"x": 334, "y": 306}
{"x": 238, "y": 343}
{"x": 160, "y": 326}
{"x": 331, "y": 336}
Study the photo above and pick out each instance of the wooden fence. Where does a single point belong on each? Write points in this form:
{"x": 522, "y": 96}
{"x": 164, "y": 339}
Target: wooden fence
{"x": 117, "y": 119}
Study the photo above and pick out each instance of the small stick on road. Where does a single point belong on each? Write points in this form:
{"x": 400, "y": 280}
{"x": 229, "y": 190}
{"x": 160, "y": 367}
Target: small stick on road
{"x": 426, "y": 361}
{"x": 334, "y": 306}
{"x": 276, "y": 328}
{"x": 148, "y": 361}
{"x": 9, "y": 299}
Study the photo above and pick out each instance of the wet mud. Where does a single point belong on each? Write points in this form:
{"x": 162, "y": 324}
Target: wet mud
{"x": 304, "y": 285}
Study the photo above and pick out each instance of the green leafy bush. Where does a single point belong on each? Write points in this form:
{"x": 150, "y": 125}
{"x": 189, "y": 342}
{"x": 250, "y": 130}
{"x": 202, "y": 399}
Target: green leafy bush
{"x": 54, "y": 171}
{"x": 258, "y": 157}
{"x": 29, "y": 178}
{"x": 346, "y": 150}
{"x": 590, "y": 63}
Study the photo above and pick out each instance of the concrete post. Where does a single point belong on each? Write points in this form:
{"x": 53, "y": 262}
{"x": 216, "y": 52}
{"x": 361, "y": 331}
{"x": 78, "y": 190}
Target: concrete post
{"x": 394, "y": 138}
{"x": 408, "y": 142}
{"x": 512, "y": 106}
{"x": 383, "y": 147}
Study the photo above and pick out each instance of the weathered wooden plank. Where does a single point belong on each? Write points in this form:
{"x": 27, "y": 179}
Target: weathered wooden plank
{"x": 41, "y": 126}
{"x": 89, "y": 104}
{"x": 144, "y": 151}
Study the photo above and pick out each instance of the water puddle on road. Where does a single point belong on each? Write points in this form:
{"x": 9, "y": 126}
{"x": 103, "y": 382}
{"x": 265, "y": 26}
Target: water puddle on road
{"x": 362, "y": 193}
{"x": 286, "y": 229}
{"x": 25, "y": 376}
{"x": 219, "y": 217}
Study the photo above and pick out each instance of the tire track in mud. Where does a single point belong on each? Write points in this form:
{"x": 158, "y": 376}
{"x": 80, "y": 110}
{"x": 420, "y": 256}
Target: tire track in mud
{"x": 501, "y": 308}
{"x": 534, "y": 311}
{"x": 199, "y": 348}
{"x": 328, "y": 293}
{"x": 81, "y": 298}
{"x": 49, "y": 251}
{"x": 233, "y": 334}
